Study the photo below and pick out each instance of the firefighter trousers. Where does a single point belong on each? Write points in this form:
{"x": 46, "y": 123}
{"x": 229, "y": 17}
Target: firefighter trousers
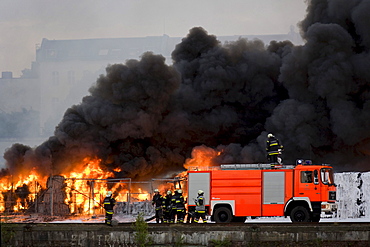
{"x": 200, "y": 214}
{"x": 166, "y": 215}
{"x": 159, "y": 215}
{"x": 173, "y": 215}
{"x": 180, "y": 215}
{"x": 108, "y": 217}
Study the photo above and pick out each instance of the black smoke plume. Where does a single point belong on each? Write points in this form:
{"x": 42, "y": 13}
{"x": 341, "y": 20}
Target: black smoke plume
{"x": 146, "y": 117}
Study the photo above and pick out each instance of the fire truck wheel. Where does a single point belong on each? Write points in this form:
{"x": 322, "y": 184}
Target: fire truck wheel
{"x": 223, "y": 215}
{"x": 299, "y": 214}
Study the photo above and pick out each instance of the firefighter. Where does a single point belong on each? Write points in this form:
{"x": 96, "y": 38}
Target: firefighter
{"x": 157, "y": 203}
{"x": 273, "y": 149}
{"x": 166, "y": 206}
{"x": 180, "y": 206}
{"x": 173, "y": 207}
{"x": 200, "y": 208}
{"x": 109, "y": 203}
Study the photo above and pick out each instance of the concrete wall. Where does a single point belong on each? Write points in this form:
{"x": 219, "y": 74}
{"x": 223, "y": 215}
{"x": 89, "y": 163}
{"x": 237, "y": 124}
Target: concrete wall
{"x": 94, "y": 235}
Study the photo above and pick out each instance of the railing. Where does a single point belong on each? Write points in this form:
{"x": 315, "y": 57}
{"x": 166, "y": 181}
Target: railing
{"x": 239, "y": 167}
{"x": 203, "y": 168}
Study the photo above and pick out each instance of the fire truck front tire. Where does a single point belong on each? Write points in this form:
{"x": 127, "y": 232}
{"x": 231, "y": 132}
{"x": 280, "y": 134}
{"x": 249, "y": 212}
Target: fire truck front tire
{"x": 299, "y": 214}
{"x": 222, "y": 215}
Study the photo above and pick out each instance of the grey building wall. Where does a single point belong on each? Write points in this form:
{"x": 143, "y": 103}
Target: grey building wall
{"x": 64, "y": 70}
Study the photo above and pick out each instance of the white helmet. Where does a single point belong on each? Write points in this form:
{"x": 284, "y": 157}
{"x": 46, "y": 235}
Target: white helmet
{"x": 109, "y": 193}
{"x": 270, "y": 135}
{"x": 169, "y": 192}
{"x": 200, "y": 192}
{"x": 179, "y": 191}
{"x": 156, "y": 190}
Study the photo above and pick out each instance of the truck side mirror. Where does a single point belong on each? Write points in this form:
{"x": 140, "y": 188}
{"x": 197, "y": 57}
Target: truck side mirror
{"x": 315, "y": 177}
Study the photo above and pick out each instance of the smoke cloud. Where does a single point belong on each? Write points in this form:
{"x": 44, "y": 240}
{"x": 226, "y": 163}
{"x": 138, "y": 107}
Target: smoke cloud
{"x": 146, "y": 117}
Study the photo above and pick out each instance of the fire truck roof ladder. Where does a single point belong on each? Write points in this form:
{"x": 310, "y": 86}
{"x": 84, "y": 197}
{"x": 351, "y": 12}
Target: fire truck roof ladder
{"x": 251, "y": 166}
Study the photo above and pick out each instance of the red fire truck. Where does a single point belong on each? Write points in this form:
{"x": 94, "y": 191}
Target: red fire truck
{"x": 234, "y": 191}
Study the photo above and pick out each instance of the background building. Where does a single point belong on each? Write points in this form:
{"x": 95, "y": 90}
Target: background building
{"x": 33, "y": 104}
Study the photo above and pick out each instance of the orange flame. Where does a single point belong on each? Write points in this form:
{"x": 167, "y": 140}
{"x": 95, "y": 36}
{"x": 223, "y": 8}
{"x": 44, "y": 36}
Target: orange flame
{"x": 26, "y": 186}
{"x": 202, "y": 158}
{"x": 83, "y": 194}
{"x": 85, "y": 188}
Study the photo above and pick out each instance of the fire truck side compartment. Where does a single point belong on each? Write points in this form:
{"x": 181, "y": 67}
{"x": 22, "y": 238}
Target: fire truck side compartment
{"x": 242, "y": 186}
{"x": 273, "y": 187}
{"x": 198, "y": 181}
{"x": 278, "y": 189}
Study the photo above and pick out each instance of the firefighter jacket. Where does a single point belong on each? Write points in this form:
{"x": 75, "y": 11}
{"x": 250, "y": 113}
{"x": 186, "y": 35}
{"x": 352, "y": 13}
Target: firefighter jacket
{"x": 199, "y": 204}
{"x": 273, "y": 146}
{"x": 179, "y": 201}
{"x": 173, "y": 200}
{"x": 157, "y": 201}
{"x": 166, "y": 203}
{"x": 109, "y": 203}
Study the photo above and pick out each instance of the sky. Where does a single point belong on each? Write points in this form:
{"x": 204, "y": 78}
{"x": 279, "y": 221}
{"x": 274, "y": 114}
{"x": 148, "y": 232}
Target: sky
{"x": 23, "y": 23}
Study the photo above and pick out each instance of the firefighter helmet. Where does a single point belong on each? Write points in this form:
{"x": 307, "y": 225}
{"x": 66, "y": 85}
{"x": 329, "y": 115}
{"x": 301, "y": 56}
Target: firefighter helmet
{"x": 109, "y": 193}
{"x": 200, "y": 192}
{"x": 156, "y": 190}
{"x": 169, "y": 192}
{"x": 270, "y": 135}
{"x": 179, "y": 191}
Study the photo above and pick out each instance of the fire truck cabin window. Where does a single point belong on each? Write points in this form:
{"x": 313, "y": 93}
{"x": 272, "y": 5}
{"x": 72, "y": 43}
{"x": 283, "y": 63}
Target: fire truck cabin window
{"x": 306, "y": 177}
{"x": 327, "y": 176}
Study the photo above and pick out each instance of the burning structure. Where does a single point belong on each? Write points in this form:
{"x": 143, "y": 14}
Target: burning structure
{"x": 144, "y": 118}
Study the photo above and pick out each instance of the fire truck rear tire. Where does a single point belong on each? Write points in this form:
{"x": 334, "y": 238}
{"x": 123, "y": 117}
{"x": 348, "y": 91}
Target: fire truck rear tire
{"x": 299, "y": 214}
{"x": 223, "y": 215}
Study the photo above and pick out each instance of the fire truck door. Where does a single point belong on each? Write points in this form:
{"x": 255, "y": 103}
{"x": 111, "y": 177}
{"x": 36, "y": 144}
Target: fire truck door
{"x": 308, "y": 185}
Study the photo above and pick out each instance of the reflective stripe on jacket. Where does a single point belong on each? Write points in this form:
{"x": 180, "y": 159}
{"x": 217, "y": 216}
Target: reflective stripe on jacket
{"x": 109, "y": 203}
{"x": 273, "y": 146}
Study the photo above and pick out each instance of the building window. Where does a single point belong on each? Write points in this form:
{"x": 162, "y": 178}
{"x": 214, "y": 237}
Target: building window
{"x": 103, "y": 52}
{"x": 71, "y": 77}
{"x": 116, "y": 53}
{"x": 51, "y": 53}
{"x": 55, "y": 76}
{"x": 74, "y": 53}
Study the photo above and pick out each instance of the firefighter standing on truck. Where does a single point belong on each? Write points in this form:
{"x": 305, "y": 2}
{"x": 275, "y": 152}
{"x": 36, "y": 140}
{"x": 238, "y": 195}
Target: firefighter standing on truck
{"x": 273, "y": 149}
{"x": 166, "y": 205}
{"x": 157, "y": 202}
{"x": 200, "y": 208}
{"x": 109, "y": 203}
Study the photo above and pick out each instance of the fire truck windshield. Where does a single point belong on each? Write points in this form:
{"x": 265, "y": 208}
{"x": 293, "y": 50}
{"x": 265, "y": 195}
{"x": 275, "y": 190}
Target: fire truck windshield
{"x": 327, "y": 176}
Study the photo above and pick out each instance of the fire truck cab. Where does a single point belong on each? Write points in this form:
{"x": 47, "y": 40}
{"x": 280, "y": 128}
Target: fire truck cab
{"x": 235, "y": 191}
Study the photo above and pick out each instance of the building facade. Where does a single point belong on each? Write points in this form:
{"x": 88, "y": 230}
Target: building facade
{"x": 64, "y": 70}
